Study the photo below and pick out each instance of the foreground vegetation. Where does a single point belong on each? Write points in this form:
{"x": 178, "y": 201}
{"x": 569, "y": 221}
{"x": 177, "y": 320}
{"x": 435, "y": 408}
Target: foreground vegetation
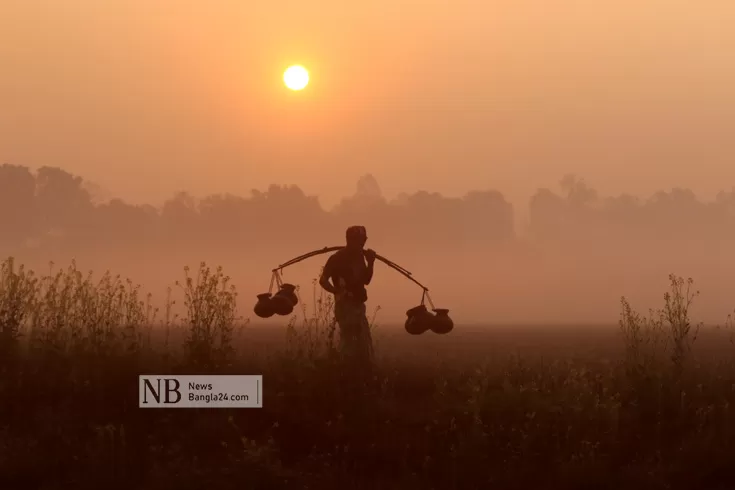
{"x": 71, "y": 348}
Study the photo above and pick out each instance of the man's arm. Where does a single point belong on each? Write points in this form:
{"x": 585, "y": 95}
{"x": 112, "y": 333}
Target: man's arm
{"x": 370, "y": 257}
{"x": 326, "y": 274}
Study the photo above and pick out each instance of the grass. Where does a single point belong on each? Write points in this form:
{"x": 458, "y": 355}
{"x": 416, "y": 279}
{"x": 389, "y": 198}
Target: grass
{"x": 657, "y": 417}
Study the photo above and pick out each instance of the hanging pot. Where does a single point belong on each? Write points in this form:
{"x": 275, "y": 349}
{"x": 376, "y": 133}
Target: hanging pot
{"x": 282, "y": 305}
{"x": 418, "y": 321}
{"x": 288, "y": 291}
{"x": 264, "y": 306}
{"x": 441, "y": 323}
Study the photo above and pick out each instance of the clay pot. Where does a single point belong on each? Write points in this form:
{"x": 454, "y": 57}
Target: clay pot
{"x": 282, "y": 305}
{"x": 285, "y": 299}
{"x": 441, "y": 323}
{"x": 289, "y": 291}
{"x": 418, "y": 321}
{"x": 264, "y": 306}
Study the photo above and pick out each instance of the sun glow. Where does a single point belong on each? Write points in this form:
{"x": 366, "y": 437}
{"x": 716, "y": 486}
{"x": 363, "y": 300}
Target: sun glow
{"x": 296, "y": 77}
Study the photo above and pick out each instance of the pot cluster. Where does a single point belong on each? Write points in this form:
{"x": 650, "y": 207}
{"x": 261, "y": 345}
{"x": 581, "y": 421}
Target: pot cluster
{"x": 282, "y": 303}
{"x": 421, "y": 320}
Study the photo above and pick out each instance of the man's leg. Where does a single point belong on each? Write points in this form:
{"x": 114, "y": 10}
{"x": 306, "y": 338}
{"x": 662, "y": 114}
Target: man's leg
{"x": 365, "y": 337}
{"x": 347, "y": 328}
{"x": 355, "y": 337}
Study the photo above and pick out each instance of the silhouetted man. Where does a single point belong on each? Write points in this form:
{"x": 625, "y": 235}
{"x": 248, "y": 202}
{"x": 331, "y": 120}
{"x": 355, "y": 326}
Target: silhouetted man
{"x": 350, "y": 270}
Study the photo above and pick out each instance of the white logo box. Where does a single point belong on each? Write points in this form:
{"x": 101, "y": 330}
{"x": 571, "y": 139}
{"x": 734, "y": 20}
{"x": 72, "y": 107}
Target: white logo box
{"x": 200, "y": 391}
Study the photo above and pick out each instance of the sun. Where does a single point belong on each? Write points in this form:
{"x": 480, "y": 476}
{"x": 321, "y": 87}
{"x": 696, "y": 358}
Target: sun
{"x": 296, "y": 77}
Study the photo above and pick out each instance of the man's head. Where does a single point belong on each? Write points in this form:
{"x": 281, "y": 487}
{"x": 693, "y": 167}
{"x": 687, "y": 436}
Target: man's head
{"x": 356, "y": 237}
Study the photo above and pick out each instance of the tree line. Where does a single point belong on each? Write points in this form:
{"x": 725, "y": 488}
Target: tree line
{"x": 54, "y": 208}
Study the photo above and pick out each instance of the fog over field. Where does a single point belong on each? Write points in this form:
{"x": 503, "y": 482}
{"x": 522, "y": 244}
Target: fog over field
{"x": 569, "y": 262}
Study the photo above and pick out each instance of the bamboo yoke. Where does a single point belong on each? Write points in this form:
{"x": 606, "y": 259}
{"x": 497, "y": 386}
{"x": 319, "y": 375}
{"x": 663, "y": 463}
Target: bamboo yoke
{"x": 276, "y": 278}
{"x": 419, "y": 319}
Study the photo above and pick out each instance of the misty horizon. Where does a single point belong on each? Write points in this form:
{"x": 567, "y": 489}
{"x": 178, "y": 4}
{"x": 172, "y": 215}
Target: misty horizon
{"x": 575, "y": 256}
{"x": 101, "y": 195}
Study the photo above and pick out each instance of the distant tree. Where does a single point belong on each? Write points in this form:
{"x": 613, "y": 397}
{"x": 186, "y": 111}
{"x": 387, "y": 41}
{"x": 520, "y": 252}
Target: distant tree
{"x": 367, "y": 186}
{"x": 97, "y": 194}
{"x": 487, "y": 216}
{"x": 725, "y": 203}
{"x": 119, "y": 222}
{"x": 366, "y": 203}
{"x": 64, "y": 206}
{"x": 429, "y": 217}
{"x": 180, "y": 217}
{"x": 18, "y": 214}
{"x": 622, "y": 211}
{"x": 724, "y": 209}
{"x": 676, "y": 213}
{"x": 227, "y": 217}
{"x": 578, "y": 193}
{"x": 282, "y": 211}
{"x": 548, "y": 214}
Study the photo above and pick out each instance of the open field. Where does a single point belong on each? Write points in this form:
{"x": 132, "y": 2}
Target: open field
{"x": 638, "y": 405}
{"x": 474, "y": 344}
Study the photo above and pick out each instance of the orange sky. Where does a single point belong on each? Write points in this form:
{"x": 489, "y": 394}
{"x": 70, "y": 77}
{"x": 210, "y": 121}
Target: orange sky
{"x": 149, "y": 97}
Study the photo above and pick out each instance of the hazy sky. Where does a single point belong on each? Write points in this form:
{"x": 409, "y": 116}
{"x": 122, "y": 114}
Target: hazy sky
{"x": 147, "y": 97}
